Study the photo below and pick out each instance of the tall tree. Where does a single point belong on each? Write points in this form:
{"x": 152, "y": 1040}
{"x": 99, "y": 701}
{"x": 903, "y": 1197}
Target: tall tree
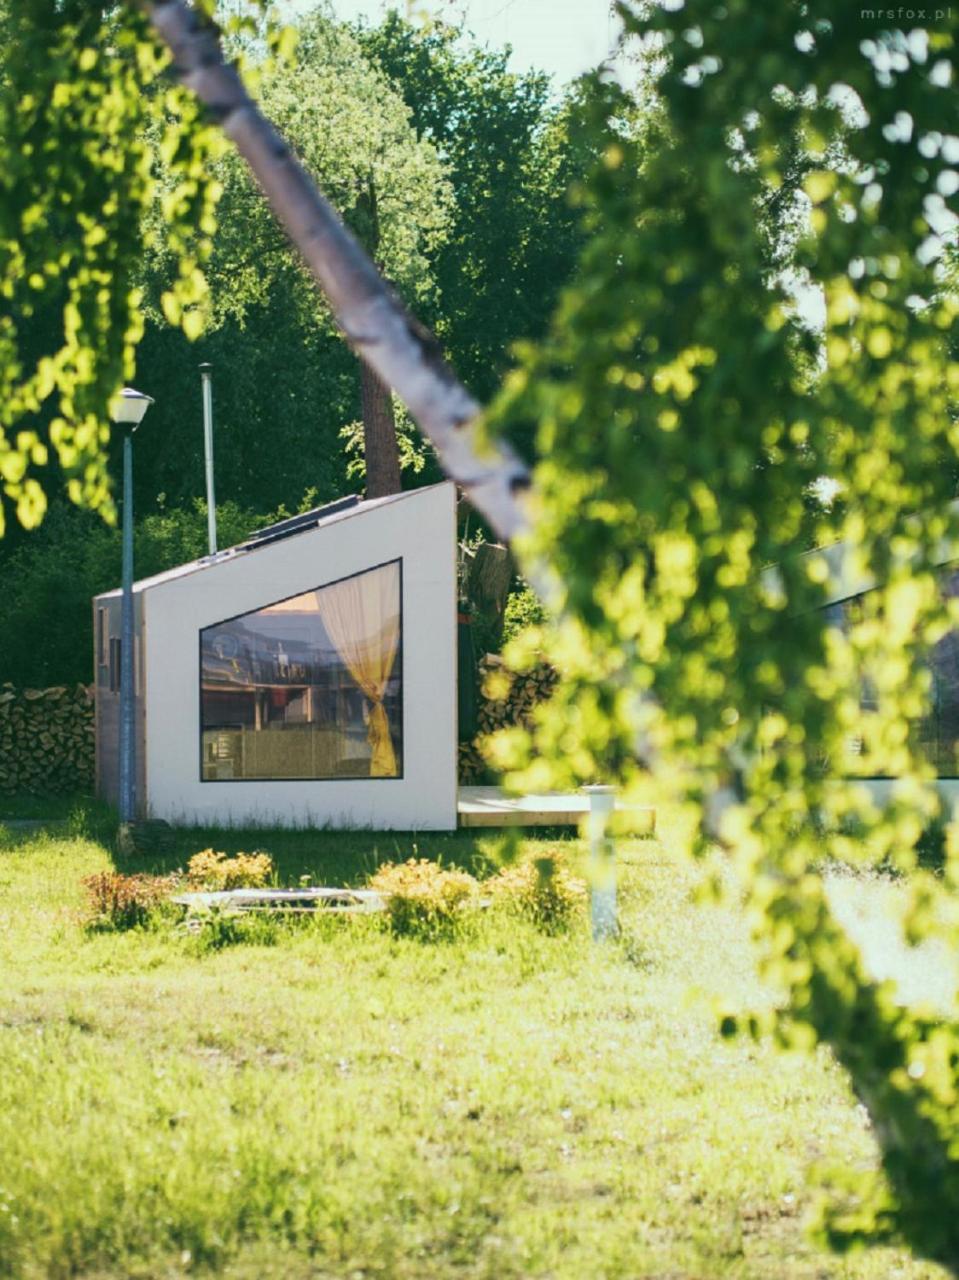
{"x": 512, "y": 150}
{"x": 273, "y": 339}
{"x": 381, "y": 449}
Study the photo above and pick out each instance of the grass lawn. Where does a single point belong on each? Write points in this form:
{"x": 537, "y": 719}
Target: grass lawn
{"x": 341, "y": 1103}
{"x": 54, "y": 808}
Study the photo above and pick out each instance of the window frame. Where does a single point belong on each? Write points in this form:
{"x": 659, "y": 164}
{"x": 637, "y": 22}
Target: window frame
{"x": 361, "y": 777}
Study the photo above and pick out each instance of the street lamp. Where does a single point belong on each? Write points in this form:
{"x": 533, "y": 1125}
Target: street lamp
{"x": 126, "y": 411}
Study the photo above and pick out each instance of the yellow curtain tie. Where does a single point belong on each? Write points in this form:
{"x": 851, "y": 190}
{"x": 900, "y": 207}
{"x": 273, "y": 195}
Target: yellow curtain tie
{"x": 383, "y": 762}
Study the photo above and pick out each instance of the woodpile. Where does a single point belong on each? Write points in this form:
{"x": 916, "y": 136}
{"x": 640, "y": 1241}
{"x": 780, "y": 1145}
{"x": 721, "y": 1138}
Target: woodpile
{"x": 506, "y": 698}
{"x": 46, "y": 740}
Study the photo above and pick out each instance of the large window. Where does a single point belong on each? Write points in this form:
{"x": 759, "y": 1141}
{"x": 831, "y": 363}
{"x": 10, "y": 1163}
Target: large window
{"x": 936, "y": 734}
{"x": 309, "y": 687}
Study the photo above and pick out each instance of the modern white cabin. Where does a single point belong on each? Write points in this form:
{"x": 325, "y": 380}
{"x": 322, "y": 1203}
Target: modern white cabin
{"x": 304, "y": 678}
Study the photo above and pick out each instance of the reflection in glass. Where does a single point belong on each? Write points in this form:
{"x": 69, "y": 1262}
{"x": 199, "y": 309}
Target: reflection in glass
{"x": 309, "y": 687}
{"x": 937, "y": 733}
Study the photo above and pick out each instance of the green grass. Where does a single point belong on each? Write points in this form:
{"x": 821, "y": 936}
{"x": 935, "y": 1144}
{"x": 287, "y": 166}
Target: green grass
{"x": 50, "y": 808}
{"x": 341, "y": 1103}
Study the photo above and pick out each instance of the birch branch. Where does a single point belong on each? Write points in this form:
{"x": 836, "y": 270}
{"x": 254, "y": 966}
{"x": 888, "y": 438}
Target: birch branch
{"x": 373, "y": 319}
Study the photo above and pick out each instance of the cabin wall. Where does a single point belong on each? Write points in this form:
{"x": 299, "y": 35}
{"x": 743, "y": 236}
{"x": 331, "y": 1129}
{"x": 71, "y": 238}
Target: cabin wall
{"x": 106, "y": 681}
{"x": 881, "y": 792}
{"x": 420, "y": 530}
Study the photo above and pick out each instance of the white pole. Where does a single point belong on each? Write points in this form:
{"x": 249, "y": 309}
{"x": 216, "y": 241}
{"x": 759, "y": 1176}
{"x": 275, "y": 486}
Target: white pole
{"x": 207, "y": 380}
{"x": 602, "y": 857}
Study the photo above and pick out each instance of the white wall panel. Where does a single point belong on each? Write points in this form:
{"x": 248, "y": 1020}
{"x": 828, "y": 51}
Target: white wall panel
{"x": 421, "y": 529}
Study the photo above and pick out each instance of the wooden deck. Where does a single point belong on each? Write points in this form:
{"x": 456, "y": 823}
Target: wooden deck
{"x": 491, "y": 807}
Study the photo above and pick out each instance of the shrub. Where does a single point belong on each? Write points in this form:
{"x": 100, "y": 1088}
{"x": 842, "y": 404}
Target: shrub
{"x": 422, "y": 898}
{"x": 210, "y": 869}
{"x": 543, "y": 891}
{"x": 523, "y": 609}
{"x": 116, "y": 901}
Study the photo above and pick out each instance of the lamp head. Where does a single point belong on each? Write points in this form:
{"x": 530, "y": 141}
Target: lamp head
{"x": 128, "y": 407}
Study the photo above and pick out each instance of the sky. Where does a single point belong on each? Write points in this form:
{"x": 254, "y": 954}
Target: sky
{"x": 563, "y": 37}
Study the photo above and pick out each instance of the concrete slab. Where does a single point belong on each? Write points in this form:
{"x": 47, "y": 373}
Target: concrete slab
{"x": 492, "y": 807}
{"x": 310, "y": 899}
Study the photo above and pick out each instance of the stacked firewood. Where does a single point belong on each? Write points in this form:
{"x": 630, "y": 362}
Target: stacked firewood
{"x": 506, "y": 698}
{"x": 46, "y": 740}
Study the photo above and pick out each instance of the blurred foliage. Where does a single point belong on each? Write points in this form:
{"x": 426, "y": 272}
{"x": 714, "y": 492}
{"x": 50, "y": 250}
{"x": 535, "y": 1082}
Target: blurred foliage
{"x": 82, "y": 92}
{"x": 684, "y": 409}
{"x": 523, "y": 609}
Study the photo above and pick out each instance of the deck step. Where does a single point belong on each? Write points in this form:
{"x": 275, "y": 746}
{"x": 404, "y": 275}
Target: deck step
{"x": 492, "y": 807}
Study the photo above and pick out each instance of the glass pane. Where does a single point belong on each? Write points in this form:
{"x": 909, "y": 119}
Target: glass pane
{"x": 115, "y": 657}
{"x": 309, "y": 687}
{"x": 936, "y": 734}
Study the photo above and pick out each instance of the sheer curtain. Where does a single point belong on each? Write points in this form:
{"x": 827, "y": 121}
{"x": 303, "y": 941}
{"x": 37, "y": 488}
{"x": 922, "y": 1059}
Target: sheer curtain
{"x": 362, "y": 617}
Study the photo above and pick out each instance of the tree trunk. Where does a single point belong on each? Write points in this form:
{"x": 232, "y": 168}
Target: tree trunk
{"x": 379, "y": 425}
{"x": 487, "y": 586}
{"x": 379, "y": 436}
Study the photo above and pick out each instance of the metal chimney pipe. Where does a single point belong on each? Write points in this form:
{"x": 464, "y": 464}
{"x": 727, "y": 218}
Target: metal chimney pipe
{"x": 207, "y": 382}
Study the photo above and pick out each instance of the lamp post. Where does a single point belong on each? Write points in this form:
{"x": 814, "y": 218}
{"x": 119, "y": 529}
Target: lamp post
{"x": 126, "y": 411}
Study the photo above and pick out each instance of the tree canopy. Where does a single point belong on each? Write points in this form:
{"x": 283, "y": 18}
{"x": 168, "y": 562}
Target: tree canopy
{"x": 512, "y": 151}
{"x": 285, "y": 384}
{"x": 470, "y": 180}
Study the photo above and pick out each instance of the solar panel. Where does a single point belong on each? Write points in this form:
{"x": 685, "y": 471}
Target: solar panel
{"x": 296, "y": 524}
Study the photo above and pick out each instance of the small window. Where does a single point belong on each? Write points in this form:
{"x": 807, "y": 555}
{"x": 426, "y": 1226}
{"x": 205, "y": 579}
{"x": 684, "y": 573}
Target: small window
{"x": 115, "y": 658}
